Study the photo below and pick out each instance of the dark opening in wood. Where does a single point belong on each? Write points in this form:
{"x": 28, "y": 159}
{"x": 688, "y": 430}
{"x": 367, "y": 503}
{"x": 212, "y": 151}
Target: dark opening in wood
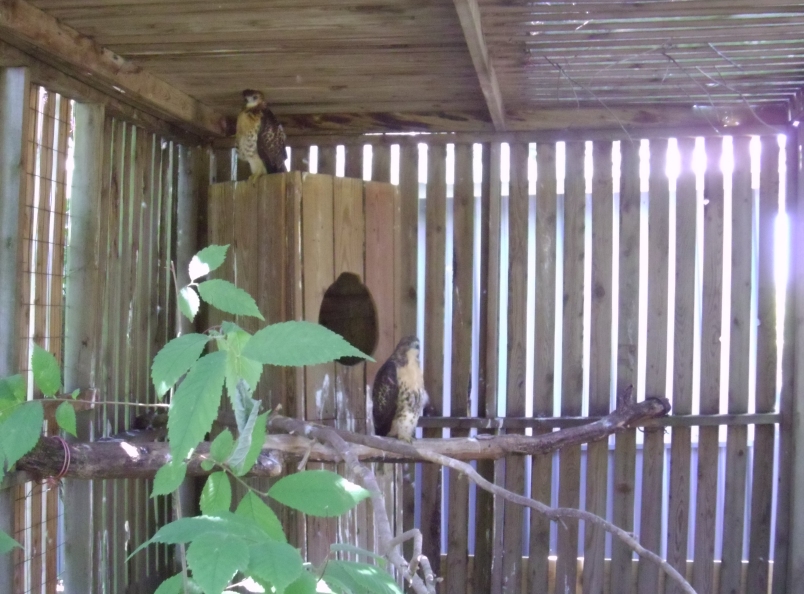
{"x": 348, "y": 309}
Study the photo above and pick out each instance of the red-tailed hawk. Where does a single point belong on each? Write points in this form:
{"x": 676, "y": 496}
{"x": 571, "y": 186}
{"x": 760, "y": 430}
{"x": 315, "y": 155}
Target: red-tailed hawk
{"x": 398, "y": 396}
{"x": 260, "y": 137}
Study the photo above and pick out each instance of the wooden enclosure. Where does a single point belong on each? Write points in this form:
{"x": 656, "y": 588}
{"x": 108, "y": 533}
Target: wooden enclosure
{"x": 561, "y": 199}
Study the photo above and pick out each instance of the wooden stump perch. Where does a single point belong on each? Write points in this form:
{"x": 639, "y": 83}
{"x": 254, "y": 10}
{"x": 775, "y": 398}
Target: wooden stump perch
{"x": 131, "y": 459}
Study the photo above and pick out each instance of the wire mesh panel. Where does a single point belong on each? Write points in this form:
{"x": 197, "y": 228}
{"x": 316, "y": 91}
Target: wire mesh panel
{"x": 45, "y": 224}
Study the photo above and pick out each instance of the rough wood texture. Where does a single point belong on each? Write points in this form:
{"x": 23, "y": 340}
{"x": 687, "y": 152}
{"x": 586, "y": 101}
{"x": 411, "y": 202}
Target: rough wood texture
{"x": 711, "y": 306}
{"x": 544, "y": 352}
{"x": 573, "y": 372}
{"x": 435, "y": 247}
{"x": 739, "y": 361}
{"x": 767, "y": 357}
{"x": 656, "y": 364}
{"x": 469, "y": 16}
{"x": 136, "y": 455}
{"x": 684, "y": 319}
{"x": 600, "y": 359}
{"x": 516, "y": 373}
{"x": 625, "y": 445}
{"x": 57, "y": 42}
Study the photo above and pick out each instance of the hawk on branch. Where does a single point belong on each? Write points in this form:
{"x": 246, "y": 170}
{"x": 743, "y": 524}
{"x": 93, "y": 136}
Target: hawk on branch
{"x": 398, "y": 396}
{"x": 260, "y": 137}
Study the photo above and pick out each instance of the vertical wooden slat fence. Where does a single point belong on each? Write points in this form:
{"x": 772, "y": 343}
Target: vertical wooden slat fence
{"x": 696, "y": 528}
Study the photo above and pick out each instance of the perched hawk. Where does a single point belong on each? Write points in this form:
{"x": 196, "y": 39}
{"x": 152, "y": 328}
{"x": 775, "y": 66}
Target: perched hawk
{"x": 260, "y": 137}
{"x": 398, "y": 395}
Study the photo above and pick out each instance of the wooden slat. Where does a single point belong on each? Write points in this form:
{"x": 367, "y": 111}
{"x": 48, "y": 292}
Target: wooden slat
{"x": 628, "y": 337}
{"x": 381, "y": 163}
{"x": 318, "y": 261}
{"x": 406, "y": 294}
{"x": 517, "y": 329}
{"x": 680, "y": 449}
{"x": 486, "y": 513}
{"x": 711, "y": 308}
{"x": 353, "y": 165}
{"x": 767, "y": 357}
{"x": 656, "y": 362}
{"x": 739, "y": 359}
{"x": 326, "y": 160}
{"x": 572, "y": 380}
{"x": 32, "y": 27}
{"x": 544, "y": 353}
{"x": 433, "y": 352}
{"x": 600, "y": 359}
{"x": 469, "y": 16}
{"x": 461, "y": 392}
{"x": 300, "y": 159}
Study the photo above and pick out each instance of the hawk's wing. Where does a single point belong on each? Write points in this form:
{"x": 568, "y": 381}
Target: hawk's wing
{"x": 384, "y": 396}
{"x": 271, "y": 143}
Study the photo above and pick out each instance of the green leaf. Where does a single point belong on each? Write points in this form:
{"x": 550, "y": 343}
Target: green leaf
{"x": 347, "y": 548}
{"x": 221, "y": 447}
{"x": 360, "y": 578}
{"x": 7, "y": 543}
{"x": 318, "y": 493}
{"x": 306, "y": 584}
{"x": 243, "y": 405}
{"x": 189, "y": 303}
{"x": 12, "y": 393}
{"x": 254, "y": 509}
{"x": 298, "y": 343}
{"x": 227, "y": 297}
{"x": 215, "y": 558}
{"x": 207, "y": 260}
{"x": 20, "y": 431}
{"x": 65, "y": 417}
{"x": 46, "y": 372}
{"x": 256, "y": 444}
{"x": 75, "y": 393}
{"x": 195, "y": 404}
{"x": 216, "y": 496}
{"x": 188, "y": 529}
{"x": 168, "y": 478}
{"x": 175, "y": 585}
{"x": 207, "y": 465}
{"x": 246, "y": 412}
{"x": 174, "y": 359}
{"x": 275, "y": 562}
{"x": 237, "y": 366}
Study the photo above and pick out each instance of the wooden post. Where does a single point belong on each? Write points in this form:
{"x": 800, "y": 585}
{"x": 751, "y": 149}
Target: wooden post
{"x": 14, "y": 84}
{"x": 80, "y": 345}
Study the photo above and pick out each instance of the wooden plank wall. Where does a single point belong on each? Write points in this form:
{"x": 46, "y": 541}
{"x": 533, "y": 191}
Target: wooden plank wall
{"x": 681, "y": 247}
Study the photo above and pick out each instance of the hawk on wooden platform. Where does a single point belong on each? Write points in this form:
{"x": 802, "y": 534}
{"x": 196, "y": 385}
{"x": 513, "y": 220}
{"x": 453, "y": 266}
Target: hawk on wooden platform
{"x": 260, "y": 137}
{"x": 398, "y": 396}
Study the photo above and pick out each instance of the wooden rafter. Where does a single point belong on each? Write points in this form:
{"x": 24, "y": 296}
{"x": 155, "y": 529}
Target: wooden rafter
{"x": 469, "y": 15}
{"x": 33, "y": 30}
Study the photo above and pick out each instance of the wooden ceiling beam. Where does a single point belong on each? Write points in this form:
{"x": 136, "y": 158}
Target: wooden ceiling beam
{"x": 33, "y": 30}
{"x": 469, "y": 16}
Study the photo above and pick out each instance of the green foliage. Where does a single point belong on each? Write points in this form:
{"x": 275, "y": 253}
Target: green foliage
{"x": 216, "y": 496}
{"x": 175, "y": 585}
{"x": 175, "y": 359}
{"x": 318, "y": 493}
{"x": 298, "y": 343}
{"x": 189, "y": 302}
{"x": 227, "y": 297}
{"x": 348, "y": 577}
{"x": 254, "y": 509}
{"x": 215, "y": 558}
{"x": 7, "y": 543}
{"x": 169, "y": 477}
{"x": 277, "y": 563}
{"x": 195, "y": 404}
{"x": 207, "y": 260}
{"x": 46, "y": 372}
{"x": 221, "y": 543}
